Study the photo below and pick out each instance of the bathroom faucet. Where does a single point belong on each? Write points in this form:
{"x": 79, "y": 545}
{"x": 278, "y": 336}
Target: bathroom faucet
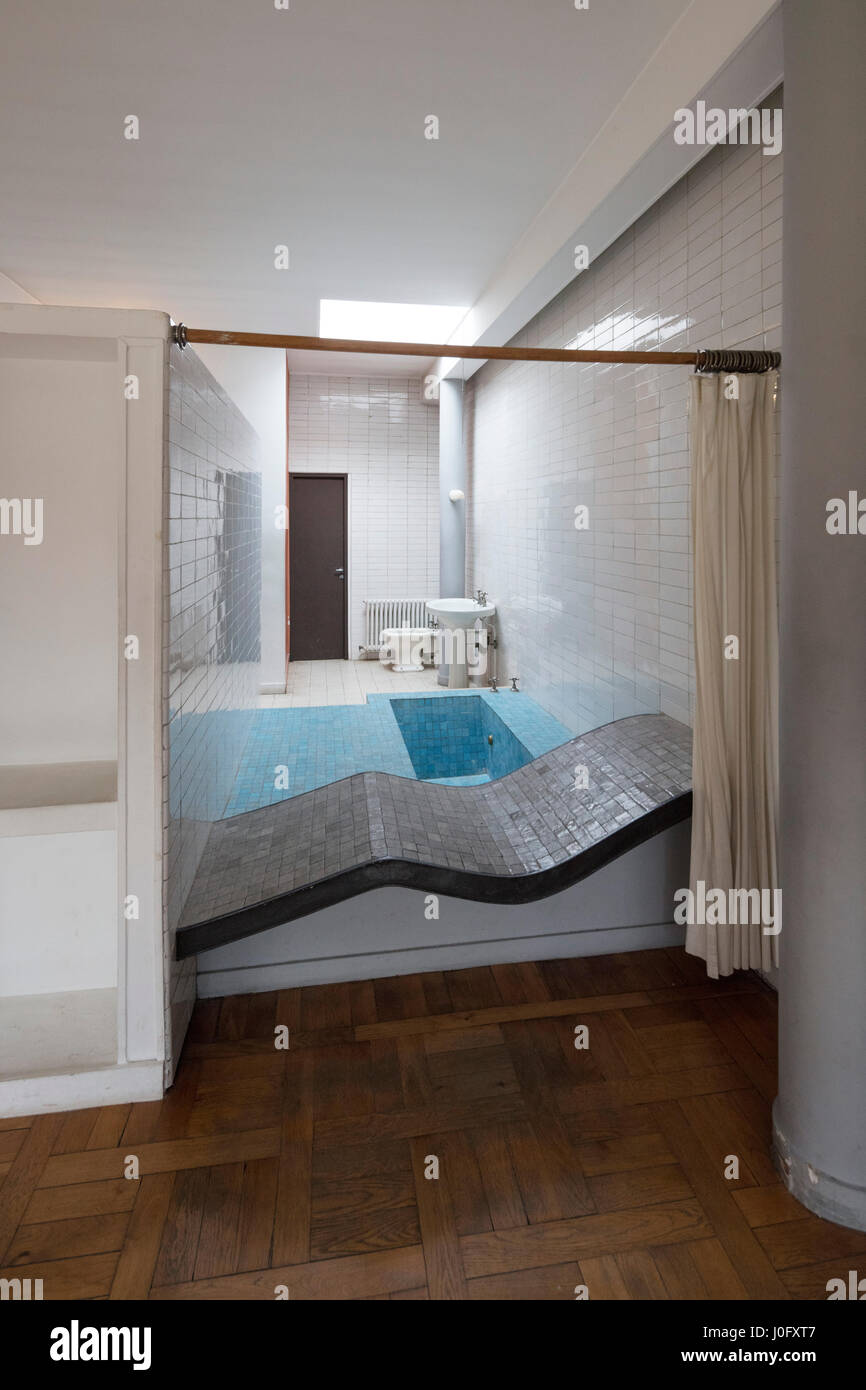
{"x": 494, "y": 688}
{"x": 481, "y": 598}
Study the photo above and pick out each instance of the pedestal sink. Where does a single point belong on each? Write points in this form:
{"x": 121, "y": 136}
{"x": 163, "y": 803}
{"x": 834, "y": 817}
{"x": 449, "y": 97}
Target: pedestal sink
{"x": 459, "y": 616}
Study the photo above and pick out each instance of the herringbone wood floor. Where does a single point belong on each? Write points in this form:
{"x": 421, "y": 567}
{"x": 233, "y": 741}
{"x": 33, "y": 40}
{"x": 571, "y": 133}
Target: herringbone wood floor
{"x": 557, "y": 1166}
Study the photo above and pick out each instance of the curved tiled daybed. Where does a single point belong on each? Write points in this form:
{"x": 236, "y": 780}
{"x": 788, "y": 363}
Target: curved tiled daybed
{"x": 512, "y": 841}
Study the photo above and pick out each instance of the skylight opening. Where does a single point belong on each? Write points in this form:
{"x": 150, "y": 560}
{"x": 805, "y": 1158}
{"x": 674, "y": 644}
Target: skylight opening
{"x": 388, "y": 323}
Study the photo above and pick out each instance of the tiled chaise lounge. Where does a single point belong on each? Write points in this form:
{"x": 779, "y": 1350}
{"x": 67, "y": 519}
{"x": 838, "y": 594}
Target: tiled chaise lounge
{"x": 515, "y": 840}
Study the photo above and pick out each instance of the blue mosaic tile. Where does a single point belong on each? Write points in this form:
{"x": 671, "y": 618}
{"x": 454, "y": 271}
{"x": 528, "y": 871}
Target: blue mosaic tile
{"x": 291, "y": 751}
{"x": 450, "y": 738}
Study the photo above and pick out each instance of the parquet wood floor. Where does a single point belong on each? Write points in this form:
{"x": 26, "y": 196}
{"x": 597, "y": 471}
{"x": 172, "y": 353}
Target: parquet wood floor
{"x": 558, "y": 1166}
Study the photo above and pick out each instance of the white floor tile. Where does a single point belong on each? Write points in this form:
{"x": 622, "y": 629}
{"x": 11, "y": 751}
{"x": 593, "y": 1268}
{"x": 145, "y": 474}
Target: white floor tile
{"x": 345, "y": 683}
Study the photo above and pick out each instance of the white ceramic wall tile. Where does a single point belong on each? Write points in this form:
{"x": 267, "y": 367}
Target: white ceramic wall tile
{"x": 598, "y": 623}
{"x": 212, "y": 595}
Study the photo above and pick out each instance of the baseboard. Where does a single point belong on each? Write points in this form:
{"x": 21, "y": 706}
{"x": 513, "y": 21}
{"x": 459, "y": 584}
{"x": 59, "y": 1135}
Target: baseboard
{"x": 370, "y": 965}
{"x": 82, "y": 1090}
{"x": 272, "y": 688}
{"x": 827, "y": 1196}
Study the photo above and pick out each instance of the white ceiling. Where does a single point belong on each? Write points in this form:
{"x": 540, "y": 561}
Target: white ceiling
{"x": 305, "y": 127}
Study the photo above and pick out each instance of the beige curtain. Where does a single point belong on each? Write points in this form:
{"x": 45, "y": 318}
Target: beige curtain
{"x": 735, "y": 764}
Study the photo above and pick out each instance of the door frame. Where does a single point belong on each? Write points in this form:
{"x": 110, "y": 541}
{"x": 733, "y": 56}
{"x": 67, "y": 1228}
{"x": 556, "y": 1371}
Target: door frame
{"x": 324, "y": 473}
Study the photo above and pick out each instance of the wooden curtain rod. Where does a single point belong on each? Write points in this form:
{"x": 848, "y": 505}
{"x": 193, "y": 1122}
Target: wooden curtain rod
{"x": 703, "y": 360}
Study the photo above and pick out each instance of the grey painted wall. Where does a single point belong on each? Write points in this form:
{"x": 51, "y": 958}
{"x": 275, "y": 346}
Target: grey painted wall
{"x": 820, "y": 1113}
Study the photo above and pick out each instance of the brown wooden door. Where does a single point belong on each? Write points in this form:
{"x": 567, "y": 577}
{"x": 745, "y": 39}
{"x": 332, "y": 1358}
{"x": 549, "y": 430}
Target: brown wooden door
{"x": 317, "y": 563}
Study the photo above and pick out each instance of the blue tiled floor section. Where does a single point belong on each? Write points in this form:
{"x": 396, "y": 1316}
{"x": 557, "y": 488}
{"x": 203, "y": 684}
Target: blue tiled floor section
{"x": 290, "y": 751}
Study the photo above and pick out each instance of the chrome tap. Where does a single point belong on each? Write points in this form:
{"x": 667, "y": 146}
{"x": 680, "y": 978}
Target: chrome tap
{"x": 481, "y": 598}
{"x": 494, "y": 688}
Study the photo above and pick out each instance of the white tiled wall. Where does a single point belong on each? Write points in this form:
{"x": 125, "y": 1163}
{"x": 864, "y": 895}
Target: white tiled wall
{"x": 211, "y": 634}
{"x": 379, "y": 431}
{"x": 598, "y": 624}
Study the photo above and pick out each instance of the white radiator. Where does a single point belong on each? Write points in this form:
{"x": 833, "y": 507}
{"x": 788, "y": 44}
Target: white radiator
{"x": 380, "y": 614}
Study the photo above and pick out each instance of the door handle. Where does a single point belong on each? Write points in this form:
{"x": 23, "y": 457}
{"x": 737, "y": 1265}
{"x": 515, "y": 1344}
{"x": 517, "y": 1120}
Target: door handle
{"x": 339, "y": 572}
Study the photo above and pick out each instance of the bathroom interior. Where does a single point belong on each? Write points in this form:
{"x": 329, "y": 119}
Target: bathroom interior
{"x": 367, "y": 690}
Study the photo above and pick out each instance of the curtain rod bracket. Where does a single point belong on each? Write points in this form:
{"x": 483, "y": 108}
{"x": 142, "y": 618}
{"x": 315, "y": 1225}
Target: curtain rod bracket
{"x": 178, "y": 335}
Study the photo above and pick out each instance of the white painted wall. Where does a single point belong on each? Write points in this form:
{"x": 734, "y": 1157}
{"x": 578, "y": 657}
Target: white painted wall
{"x": 58, "y": 912}
{"x": 58, "y": 681}
{"x": 59, "y": 936}
{"x": 81, "y": 820}
{"x": 255, "y": 379}
{"x": 12, "y": 293}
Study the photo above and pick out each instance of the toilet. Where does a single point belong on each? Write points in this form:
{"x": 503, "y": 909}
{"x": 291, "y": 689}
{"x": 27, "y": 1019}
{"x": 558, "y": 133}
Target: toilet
{"x": 406, "y": 648}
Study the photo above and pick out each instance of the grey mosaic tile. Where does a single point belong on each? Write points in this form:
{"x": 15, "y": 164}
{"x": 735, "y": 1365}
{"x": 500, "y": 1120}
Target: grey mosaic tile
{"x": 530, "y": 821}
